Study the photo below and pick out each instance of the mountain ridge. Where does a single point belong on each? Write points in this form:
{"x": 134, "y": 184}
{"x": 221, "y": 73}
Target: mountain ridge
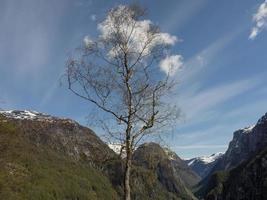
{"x": 65, "y": 139}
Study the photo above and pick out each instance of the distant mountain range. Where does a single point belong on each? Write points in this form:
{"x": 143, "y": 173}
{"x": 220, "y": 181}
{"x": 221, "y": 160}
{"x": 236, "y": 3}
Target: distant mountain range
{"x": 204, "y": 164}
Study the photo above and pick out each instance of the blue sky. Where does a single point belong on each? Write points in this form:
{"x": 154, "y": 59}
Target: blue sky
{"x": 222, "y": 82}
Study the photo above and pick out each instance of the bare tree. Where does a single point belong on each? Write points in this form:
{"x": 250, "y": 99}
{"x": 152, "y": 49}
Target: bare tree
{"x": 118, "y": 73}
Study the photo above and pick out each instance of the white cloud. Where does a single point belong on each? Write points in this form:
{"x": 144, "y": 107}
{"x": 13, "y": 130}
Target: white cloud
{"x": 138, "y": 36}
{"x": 171, "y": 64}
{"x": 260, "y": 18}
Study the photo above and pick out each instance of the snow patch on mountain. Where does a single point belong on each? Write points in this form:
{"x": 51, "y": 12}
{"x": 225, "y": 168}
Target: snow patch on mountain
{"x": 248, "y": 129}
{"x": 171, "y": 155}
{"x": 31, "y": 115}
{"x": 191, "y": 162}
{"x": 206, "y": 159}
{"x": 263, "y": 119}
{"x": 116, "y": 148}
{"x": 204, "y": 164}
{"x": 26, "y": 114}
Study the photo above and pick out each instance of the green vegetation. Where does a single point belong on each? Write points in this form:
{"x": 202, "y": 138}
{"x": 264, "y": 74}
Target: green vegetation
{"x": 215, "y": 186}
{"x": 212, "y": 185}
{"x": 36, "y": 172}
{"x": 145, "y": 185}
{"x": 34, "y": 167}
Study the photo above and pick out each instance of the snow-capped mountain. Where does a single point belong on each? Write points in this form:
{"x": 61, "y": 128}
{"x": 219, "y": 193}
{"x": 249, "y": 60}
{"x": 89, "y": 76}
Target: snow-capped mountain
{"x": 61, "y": 134}
{"x": 25, "y": 114}
{"x": 31, "y": 115}
{"x": 203, "y": 165}
{"x": 206, "y": 159}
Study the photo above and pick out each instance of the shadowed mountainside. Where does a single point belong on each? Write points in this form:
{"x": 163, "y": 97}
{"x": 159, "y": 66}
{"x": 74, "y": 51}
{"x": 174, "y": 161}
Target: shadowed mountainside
{"x": 241, "y": 172}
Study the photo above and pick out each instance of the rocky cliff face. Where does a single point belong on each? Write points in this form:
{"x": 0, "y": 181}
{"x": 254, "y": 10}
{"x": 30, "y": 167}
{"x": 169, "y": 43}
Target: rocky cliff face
{"x": 243, "y": 167}
{"x": 247, "y": 181}
{"x": 246, "y": 142}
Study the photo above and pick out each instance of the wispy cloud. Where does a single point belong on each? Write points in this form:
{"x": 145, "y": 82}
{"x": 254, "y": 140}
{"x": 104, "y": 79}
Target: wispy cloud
{"x": 201, "y": 146}
{"x": 260, "y": 20}
{"x": 205, "y": 100}
{"x": 193, "y": 99}
{"x": 199, "y": 63}
{"x": 200, "y": 133}
{"x": 182, "y": 13}
{"x": 30, "y": 30}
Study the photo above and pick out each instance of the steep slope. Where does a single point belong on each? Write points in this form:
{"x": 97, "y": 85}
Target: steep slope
{"x": 63, "y": 135}
{"x": 247, "y": 144}
{"x": 203, "y": 165}
{"x": 169, "y": 169}
{"x": 188, "y": 176}
{"x": 31, "y": 168}
{"x": 247, "y": 181}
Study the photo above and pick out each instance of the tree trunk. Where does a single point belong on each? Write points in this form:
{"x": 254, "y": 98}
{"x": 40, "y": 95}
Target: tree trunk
{"x": 127, "y": 173}
{"x": 127, "y": 188}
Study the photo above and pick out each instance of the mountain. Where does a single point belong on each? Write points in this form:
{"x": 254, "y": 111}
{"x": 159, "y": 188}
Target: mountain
{"x": 189, "y": 177}
{"x": 204, "y": 164}
{"x": 249, "y": 180}
{"x": 245, "y": 143}
{"x": 246, "y": 181}
{"x": 46, "y": 157}
{"x": 241, "y": 172}
{"x": 170, "y": 170}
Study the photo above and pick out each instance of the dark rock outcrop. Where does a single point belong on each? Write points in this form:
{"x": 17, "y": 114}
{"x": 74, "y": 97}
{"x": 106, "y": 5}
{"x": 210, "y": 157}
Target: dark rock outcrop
{"x": 243, "y": 167}
{"x": 246, "y": 143}
{"x": 248, "y": 181}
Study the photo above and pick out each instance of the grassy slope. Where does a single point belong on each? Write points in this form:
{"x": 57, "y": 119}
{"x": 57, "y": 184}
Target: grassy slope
{"x": 35, "y": 172}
